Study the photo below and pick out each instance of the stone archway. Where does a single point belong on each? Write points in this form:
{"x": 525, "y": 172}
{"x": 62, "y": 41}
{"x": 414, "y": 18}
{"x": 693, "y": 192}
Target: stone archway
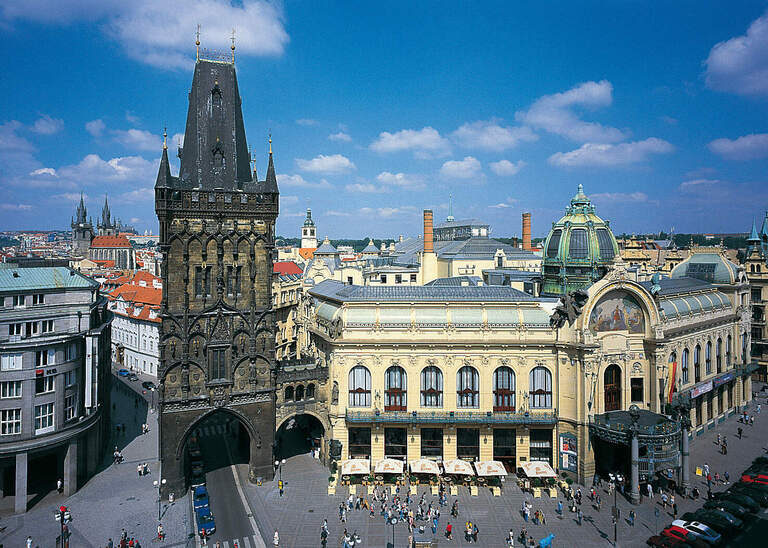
{"x": 300, "y": 433}
{"x": 612, "y": 388}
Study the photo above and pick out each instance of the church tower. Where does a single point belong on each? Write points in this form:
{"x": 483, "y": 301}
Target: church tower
{"x": 217, "y": 232}
{"x": 309, "y": 232}
{"x": 82, "y": 231}
{"x": 106, "y": 226}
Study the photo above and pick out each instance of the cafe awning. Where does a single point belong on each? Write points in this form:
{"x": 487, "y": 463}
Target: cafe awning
{"x": 389, "y": 466}
{"x": 352, "y": 467}
{"x": 488, "y": 468}
{"x": 424, "y": 466}
{"x": 458, "y": 467}
{"x": 538, "y": 469}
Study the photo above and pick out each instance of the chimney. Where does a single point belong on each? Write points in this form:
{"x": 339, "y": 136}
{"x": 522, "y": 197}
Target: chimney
{"x": 527, "y": 231}
{"x": 428, "y": 240}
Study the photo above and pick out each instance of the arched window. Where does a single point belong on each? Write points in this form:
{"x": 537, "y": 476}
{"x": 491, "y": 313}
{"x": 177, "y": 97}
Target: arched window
{"x": 728, "y": 352}
{"x": 708, "y": 357}
{"x": 310, "y": 391}
{"x": 289, "y": 393}
{"x": 359, "y": 387}
{"x": 540, "y": 388}
{"x": 578, "y": 247}
{"x": 300, "y": 392}
{"x": 685, "y": 372}
{"x": 395, "y": 387}
{"x": 431, "y": 387}
{"x": 697, "y": 363}
{"x": 672, "y": 367}
{"x": 719, "y": 355}
{"x": 504, "y": 389}
{"x": 467, "y": 387}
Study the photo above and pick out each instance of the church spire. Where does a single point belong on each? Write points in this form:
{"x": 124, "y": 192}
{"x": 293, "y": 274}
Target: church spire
{"x": 164, "y": 178}
{"x": 270, "y": 183}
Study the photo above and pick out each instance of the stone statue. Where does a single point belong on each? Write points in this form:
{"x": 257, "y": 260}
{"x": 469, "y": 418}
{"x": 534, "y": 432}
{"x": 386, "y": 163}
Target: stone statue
{"x": 569, "y": 309}
{"x": 335, "y": 393}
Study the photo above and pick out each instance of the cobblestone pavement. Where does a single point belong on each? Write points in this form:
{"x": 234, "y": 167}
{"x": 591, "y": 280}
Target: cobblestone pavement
{"x": 115, "y": 497}
{"x": 299, "y": 514}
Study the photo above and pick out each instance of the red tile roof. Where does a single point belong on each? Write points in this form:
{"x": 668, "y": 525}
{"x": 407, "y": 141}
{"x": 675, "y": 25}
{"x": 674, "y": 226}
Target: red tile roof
{"x": 137, "y": 294}
{"x": 110, "y": 241}
{"x": 105, "y": 263}
{"x": 286, "y": 267}
{"x": 307, "y": 252}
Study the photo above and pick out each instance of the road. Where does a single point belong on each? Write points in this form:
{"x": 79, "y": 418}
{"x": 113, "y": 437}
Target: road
{"x": 233, "y": 519}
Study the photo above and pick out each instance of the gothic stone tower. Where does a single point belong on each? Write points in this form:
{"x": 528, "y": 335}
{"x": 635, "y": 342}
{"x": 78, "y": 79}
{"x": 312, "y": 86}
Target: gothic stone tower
{"x": 217, "y": 230}
{"x": 82, "y": 231}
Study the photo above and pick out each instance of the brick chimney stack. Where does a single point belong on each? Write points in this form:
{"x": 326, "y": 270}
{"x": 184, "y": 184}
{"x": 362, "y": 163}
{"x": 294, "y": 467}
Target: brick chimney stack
{"x": 429, "y": 246}
{"x": 527, "y": 231}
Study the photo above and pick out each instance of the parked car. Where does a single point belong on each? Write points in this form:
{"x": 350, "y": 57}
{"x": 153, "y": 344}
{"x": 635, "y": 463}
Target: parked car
{"x": 197, "y": 468}
{"x": 728, "y": 506}
{"x": 194, "y": 452}
{"x": 744, "y": 501}
{"x": 148, "y": 385}
{"x": 700, "y": 530}
{"x": 714, "y": 519}
{"x": 200, "y": 497}
{"x": 663, "y": 541}
{"x": 133, "y": 377}
{"x": 196, "y": 478}
{"x": 205, "y": 521}
{"x": 123, "y": 372}
{"x": 752, "y": 490}
{"x": 755, "y": 478}
{"x": 680, "y": 534}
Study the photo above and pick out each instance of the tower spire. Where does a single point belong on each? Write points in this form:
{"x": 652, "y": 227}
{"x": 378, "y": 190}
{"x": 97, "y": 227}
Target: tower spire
{"x": 197, "y": 43}
{"x": 165, "y": 138}
{"x": 450, "y": 207}
{"x": 270, "y": 183}
{"x": 233, "y": 46}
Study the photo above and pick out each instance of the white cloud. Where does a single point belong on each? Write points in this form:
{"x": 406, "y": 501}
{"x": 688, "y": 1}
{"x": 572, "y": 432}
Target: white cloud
{"x": 367, "y": 188}
{"x": 177, "y": 139}
{"x": 45, "y": 125}
{"x": 44, "y": 171}
{"x": 402, "y": 180}
{"x": 740, "y": 65}
{"x": 468, "y": 168}
{"x": 163, "y": 33}
{"x": 489, "y": 135}
{"x": 15, "y": 207}
{"x": 138, "y": 139}
{"x": 333, "y": 164}
{"x": 134, "y": 220}
{"x": 70, "y": 196}
{"x": 93, "y": 170}
{"x": 603, "y": 155}
{"x": 505, "y": 168}
{"x": 95, "y": 127}
{"x": 424, "y": 143}
{"x": 698, "y": 184}
{"x": 307, "y": 122}
{"x": 288, "y": 200}
{"x": 748, "y": 147}
{"x": 555, "y": 113}
{"x": 299, "y": 182}
{"x": 509, "y": 202}
{"x": 340, "y": 136}
{"x": 368, "y": 212}
{"x": 135, "y": 196}
{"x": 132, "y": 118}
{"x": 613, "y": 197}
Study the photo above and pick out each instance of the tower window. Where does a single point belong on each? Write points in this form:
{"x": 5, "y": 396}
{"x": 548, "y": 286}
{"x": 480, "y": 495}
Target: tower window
{"x": 605, "y": 243}
{"x": 554, "y": 243}
{"x": 233, "y": 280}
{"x": 203, "y": 281}
{"x": 218, "y": 364}
{"x": 578, "y": 247}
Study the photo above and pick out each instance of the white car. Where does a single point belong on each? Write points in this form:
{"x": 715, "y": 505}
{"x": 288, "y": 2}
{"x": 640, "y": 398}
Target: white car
{"x": 699, "y": 529}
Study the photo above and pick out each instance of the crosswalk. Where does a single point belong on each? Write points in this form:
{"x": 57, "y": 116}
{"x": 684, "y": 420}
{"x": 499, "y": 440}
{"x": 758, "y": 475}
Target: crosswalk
{"x": 244, "y": 542}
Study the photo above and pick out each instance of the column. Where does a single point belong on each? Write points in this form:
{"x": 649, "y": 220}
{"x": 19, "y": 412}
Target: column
{"x": 486, "y": 443}
{"x": 634, "y": 495}
{"x": 685, "y": 453}
{"x": 21, "y": 483}
{"x": 449, "y": 445}
{"x": 70, "y": 468}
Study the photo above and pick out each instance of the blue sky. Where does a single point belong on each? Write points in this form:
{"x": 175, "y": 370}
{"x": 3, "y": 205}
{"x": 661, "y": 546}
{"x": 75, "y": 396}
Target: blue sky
{"x": 379, "y": 110}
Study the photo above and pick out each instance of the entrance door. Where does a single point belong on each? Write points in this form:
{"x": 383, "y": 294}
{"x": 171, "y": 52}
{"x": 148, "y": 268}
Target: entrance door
{"x": 612, "y": 385}
{"x": 505, "y": 447}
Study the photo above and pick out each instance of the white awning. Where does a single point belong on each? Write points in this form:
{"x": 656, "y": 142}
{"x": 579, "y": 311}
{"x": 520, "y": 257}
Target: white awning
{"x": 490, "y": 468}
{"x": 538, "y": 469}
{"x": 458, "y": 467}
{"x": 424, "y": 466}
{"x": 389, "y": 466}
{"x": 352, "y": 467}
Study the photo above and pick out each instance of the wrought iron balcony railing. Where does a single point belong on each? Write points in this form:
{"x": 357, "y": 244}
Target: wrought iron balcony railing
{"x": 453, "y": 417}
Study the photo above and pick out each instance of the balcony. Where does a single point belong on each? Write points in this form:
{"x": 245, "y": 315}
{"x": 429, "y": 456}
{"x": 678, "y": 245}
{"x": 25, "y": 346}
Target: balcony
{"x": 548, "y": 418}
{"x": 616, "y": 427}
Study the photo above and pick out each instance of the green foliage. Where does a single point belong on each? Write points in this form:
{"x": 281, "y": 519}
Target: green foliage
{"x": 6, "y": 241}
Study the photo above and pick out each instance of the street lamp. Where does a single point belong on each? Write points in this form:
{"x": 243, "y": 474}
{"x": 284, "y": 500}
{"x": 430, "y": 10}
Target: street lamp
{"x": 158, "y": 485}
{"x": 393, "y": 521}
{"x": 615, "y": 479}
{"x": 279, "y": 467}
{"x": 63, "y": 516}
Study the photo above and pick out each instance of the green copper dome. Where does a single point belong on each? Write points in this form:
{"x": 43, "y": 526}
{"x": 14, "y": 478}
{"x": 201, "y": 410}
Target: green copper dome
{"x": 578, "y": 249}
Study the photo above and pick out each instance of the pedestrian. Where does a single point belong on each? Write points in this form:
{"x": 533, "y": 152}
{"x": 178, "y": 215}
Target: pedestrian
{"x": 29, "y": 542}
{"x": 632, "y": 516}
{"x": 475, "y": 532}
{"x": 727, "y": 477}
{"x": 650, "y": 492}
{"x": 706, "y": 469}
{"x": 110, "y": 544}
{"x": 580, "y": 516}
{"x": 718, "y": 439}
{"x": 276, "y": 539}
{"x": 449, "y": 531}
{"x": 752, "y": 420}
{"x": 758, "y": 408}
{"x": 664, "y": 500}
{"x": 138, "y": 470}
{"x": 511, "y": 538}
{"x": 560, "y": 509}
{"x": 674, "y": 510}
{"x": 543, "y": 519}
{"x": 598, "y": 502}
{"x": 709, "y": 481}
{"x": 738, "y": 432}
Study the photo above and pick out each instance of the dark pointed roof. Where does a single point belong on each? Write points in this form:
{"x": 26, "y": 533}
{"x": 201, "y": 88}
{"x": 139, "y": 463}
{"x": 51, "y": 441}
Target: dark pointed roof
{"x": 81, "y": 211}
{"x": 164, "y": 177}
{"x": 753, "y": 237}
{"x": 105, "y": 214}
{"x": 215, "y": 152}
{"x": 270, "y": 183}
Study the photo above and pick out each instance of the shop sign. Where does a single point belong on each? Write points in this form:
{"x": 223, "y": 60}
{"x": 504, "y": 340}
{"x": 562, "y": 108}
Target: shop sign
{"x": 701, "y": 389}
{"x": 724, "y": 379}
{"x": 568, "y": 452}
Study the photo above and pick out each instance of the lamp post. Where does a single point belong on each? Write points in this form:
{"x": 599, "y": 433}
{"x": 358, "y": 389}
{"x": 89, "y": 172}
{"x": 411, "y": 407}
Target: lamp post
{"x": 158, "y": 485}
{"x": 393, "y": 521}
{"x": 615, "y": 479}
{"x": 279, "y": 467}
{"x": 63, "y": 516}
